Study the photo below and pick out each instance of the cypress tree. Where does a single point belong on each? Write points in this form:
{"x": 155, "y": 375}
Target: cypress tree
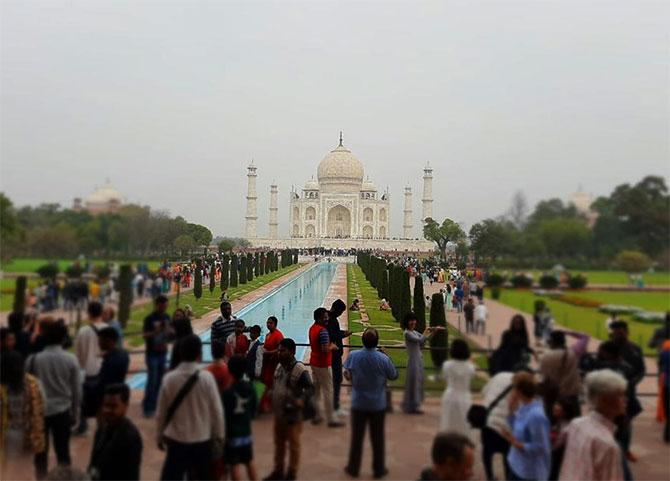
{"x": 225, "y": 272}
{"x": 197, "y": 284}
{"x": 243, "y": 269}
{"x": 257, "y": 264}
{"x": 250, "y": 267}
{"x": 212, "y": 277}
{"x": 439, "y": 338}
{"x": 125, "y": 293}
{"x": 19, "y": 305}
{"x": 261, "y": 263}
{"x": 233, "y": 270}
{"x": 384, "y": 289}
{"x": 395, "y": 295}
{"x": 295, "y": 256}
{"x": 419, "y": 303}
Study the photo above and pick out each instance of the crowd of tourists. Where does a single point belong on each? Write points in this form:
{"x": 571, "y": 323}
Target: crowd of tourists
{"x": 204, "y": 415}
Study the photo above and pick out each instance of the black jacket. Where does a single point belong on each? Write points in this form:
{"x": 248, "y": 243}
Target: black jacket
{"x": 116, "y": 453}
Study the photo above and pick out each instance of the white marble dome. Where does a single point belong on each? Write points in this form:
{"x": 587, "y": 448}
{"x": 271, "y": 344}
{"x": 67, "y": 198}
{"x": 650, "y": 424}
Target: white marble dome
{"x": 104, "y": 195}
{"x": 340, "y": 170}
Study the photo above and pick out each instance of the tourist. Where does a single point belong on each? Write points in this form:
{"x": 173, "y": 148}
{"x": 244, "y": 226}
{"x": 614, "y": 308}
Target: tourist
{"x": 559, "y": 368}
{"x": 481, "y": 314}
{"x": 495, "y": 395}
{"x": 239, "y": 405}
{"x": 469, "y": 314}
{"x": 660, "y": 335}
{"x": 180, "y": 327}
{"x": 456, "y": 400}
{"x": 591, "y": 452}
{"x": 414, "y": 341}
{"x": 320, "y": 362}
{"x": 368, "y": 371}
{"x": 155, "y": 331}
{"x": 58, "y": 373}
{"x": 15, "y": 323}
{"x": 448, "y": 295}
{"x": 383, "y": 306}
{"x": 22, "y": 422}
{"x": 337, "y": 335}
{"x": 529, "y": 456}
{"x": 453, "y": 457}
{"x": 514, "y": 349}
{"x": 663, "y": 409}
{"x": 355, "y": 306}
{"x": 224, "y": 325}
{"x": 237, "y": 343}
{"x": 87, "y": 350}
{"x": 562, "y": 412}
{"x": 293, "y": 389}
{"x": 193, "y": 433}
{"x": 458, "y": 298}
{"x": 255, "y": 353}
{"x": 116, "y": 453}
{"x": 109, "y": 318}
{"x": 219, "y": 368}
{"x": 7, "y": 339}
{"x": 270, "y": 361}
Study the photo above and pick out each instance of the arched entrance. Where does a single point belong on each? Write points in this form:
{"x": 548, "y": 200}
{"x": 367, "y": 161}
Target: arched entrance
{"x": 339, "y": 222}
{"x": 382, "y": 232}
{"x": 367, "y": 232}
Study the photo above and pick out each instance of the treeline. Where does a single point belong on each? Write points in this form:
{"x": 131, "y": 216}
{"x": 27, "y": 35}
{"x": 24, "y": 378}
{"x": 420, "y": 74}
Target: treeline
{"x": 392, "y": 282}
{"x": 632, "y": 218}
{"x": 241, "y": 268}
{"x": 50, "y": 230}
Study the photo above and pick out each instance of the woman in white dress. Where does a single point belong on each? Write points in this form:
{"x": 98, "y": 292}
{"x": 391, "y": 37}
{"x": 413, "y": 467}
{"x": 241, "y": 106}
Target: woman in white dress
{"x": 456, "y": 400}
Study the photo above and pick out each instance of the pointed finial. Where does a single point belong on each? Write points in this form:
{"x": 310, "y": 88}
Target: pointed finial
{"x": 340, "y": 138}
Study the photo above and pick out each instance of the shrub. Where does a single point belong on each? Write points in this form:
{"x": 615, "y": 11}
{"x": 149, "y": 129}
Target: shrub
{"x": 522, "y": 281}
{"x": 495, "y": 292}
{"x": 578, "y": 281}
{"x": 250, "y": 267}
{"x": 102, "y": 271}
{"x": 74, "y": 271}
{"x": 618, "y": 309}
{"x": 125, "y": 293}
{"x": 19, "y": 304}
{"x": 649, "y": 317}
{"x": 547, "y": 281}
{"x": 48, "y": 271}
{"x": 197, "y": 283}
{"x": 233, "y": 270}
{"x": 225, "y": 272}
{"x": 633, "y": 261}
{"x": 438, "y": 342}
{"x": 495, "y": 280}
{"x": 212, "y": 278}
{"x": 539, "y": 305}
{"x": 243, "y": 269}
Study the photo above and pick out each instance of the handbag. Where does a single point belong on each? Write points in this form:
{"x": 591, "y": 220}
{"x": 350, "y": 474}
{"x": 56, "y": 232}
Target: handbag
{"x": 179, "y": 398}
{"x": 478, "y": 414}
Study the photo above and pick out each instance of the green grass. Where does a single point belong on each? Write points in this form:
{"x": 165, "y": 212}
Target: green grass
{"x": 583, "y": 319}
{"x": 32, "y": 264}
{"x": 207, "y": 303}
{"x": 649, "y": 301}
{"x": 391, "y": 334}
{"x": 616, "y": 277}
{"x": 7, "y": 292}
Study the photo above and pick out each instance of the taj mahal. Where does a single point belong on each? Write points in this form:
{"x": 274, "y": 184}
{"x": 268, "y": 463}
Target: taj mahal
{"x": 341, "y": 208}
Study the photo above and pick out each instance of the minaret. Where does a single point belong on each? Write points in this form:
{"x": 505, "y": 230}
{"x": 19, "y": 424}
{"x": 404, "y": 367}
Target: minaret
{"x": 407, "y": 225}
{"x": 427, "y": 200}
{"x": 251, "y": 201}
{"x": 273, "y": 211}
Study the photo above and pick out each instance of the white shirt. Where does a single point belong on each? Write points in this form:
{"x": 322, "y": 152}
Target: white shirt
{"x": 199, "y": 417}
{"x": 481, "y": 313}
{"x": 497, "y": 418}
{"x": 87, "y": 350}
{"x": 258, "y": 365}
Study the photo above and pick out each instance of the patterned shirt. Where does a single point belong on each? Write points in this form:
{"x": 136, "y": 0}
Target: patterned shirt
{"x": 591, "y": 453}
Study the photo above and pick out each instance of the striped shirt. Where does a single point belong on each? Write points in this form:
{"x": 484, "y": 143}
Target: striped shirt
{"x": 222, "y": 328}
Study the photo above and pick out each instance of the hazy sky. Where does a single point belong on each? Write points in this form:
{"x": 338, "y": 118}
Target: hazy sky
{"x": 171, "y": 100}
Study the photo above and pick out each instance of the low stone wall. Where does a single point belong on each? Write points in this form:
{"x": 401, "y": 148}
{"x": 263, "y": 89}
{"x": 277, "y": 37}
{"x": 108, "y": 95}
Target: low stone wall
{"x": 400, "y": 245}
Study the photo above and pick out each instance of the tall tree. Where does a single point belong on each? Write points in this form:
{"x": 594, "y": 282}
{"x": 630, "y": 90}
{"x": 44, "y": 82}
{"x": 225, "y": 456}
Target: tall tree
{"x": 419, "y": 303}
{"x": 125, "y": 293}
{"x": 212, "y": 277}
{"x": 225, "y": 272}
{"x": 443, "y": 234}
{"x": 197, "y": 280}
{"x": 234, "y": 268}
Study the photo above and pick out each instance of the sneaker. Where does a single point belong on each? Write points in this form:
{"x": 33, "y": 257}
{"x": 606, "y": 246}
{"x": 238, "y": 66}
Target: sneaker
{"x": 341, "y": 413}
{"x": 349, "y": 472}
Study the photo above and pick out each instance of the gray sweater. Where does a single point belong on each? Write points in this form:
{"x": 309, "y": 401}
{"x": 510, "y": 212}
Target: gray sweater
{"x": 58, "y": 371}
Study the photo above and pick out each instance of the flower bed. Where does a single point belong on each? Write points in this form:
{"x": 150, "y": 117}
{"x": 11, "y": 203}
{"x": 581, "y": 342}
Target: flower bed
{"x": 619, "y": 309}
{"x": 579, "y": 301}
{"x": 649, "y": 317}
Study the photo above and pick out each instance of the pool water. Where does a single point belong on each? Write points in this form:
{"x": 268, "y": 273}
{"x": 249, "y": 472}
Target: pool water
{"x": 292, "y": 304}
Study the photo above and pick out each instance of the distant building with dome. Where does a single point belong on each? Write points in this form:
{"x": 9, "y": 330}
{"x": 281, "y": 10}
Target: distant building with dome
{"x": 103, "y": 200}
{"x": 339, "y": 209}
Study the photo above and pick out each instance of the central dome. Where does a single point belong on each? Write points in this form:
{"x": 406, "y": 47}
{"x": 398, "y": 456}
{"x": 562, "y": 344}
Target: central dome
{"x": 340, "y": 170}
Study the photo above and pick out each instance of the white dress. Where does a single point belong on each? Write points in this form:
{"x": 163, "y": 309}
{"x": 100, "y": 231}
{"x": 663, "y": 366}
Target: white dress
{"x": 456, "y": 400}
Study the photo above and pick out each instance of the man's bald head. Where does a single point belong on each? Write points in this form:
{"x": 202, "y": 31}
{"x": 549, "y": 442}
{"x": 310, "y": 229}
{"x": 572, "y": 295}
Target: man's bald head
{"x": 370, "y": 338}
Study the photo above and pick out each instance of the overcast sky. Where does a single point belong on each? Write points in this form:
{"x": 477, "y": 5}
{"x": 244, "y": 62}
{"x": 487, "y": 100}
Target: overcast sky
{"x": 170, "y": 100}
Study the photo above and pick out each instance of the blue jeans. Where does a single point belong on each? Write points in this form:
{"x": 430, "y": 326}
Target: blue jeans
{"x": 155, "y": 370}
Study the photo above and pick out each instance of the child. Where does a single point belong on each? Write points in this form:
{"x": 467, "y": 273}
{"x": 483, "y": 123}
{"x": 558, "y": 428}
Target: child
{"x": 564, "y": 410}
{"x": 239, "y": 404}
{"x": 237, "y": 343}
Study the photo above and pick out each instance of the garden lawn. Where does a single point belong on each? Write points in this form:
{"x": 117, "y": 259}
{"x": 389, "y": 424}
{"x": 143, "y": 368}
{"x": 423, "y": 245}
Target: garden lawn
{"x": 209, "y": 301}
{"x": 614, "y": 277}
{"x": 584, "y": 319}
{"x": 649, "y": 301}
{"x": 390, "y": 333}
{"x": 7, "y": 288}
{"x": 32, "y": 264}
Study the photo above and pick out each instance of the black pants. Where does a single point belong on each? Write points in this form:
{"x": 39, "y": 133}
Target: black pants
{"x": 59, "y": 427}
{"x": 191, "y": 459}
{"x": 493, "y": 443}
{"x": 336, "y": 368}
{"x": 358, "y": 421}
{"x": 666, "y": 404}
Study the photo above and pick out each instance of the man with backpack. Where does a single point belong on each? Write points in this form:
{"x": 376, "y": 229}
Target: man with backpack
{"x": 292, "y": 403}
{"x": 189, "y": 418}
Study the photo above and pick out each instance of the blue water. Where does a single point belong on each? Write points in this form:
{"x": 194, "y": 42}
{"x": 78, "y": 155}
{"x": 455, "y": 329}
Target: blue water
{"x": 292, "y": 304}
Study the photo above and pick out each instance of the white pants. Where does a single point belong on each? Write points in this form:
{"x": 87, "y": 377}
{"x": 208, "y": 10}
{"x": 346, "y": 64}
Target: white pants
{"x": 323, "y": 387}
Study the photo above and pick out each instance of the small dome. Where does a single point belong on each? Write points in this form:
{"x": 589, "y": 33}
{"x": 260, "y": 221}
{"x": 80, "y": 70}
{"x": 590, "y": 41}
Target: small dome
{"x": 104, "y": 195}
{"x": 582, "y": 201}
{"x": 340, "y": 170}
{"x": 311, "y": 184}
{"x": 368, "y": 186}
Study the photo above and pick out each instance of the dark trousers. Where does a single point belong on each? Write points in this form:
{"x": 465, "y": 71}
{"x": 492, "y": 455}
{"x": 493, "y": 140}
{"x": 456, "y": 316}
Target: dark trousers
{"x": 155, "y": 371}
{"x": 493, "y": 443}
{"x": 336, "y": 368}
{"x": 666, "y": 404}
{"x": 193, "y": 460}
{"x": 59, "y": 427}
{"x": 358, "y": 421}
